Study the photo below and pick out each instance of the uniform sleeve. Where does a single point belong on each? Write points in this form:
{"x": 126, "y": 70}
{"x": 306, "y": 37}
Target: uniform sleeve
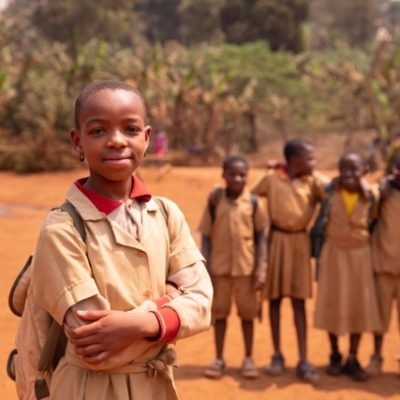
{"x": 260, "y": 188}
{"x": 193, "y": 307}
{"x": 61, "y": 274}
{"x": 183, "y": 249}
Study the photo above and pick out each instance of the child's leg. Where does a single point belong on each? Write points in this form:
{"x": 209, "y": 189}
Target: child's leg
{"x": 219, "y": 336}
{"x": 352, "y": 367}
{"x": 335, "y": 358}
{"x": 277, "y": 363}
{"x": 378, "y": 344}
{"x": 274, "y": 320}
{"x": 216, "y": 368}
{"x": 355, "y": 339}
{"x": 333, "y": 341}
{"x": 248, "y": 334}
{"x": 248, "y": 368}
{"x": 301, "y": 327}
{"x": 304, "y": 370}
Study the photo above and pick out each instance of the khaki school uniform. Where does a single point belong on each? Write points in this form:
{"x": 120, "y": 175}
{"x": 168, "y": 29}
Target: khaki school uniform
{"x": 291, "y": 205}
{"x": 231, "y": 262}
{"x": 386, "y": 256}
{"x": 125, "y": 272}
{"x": 346, "y": 299}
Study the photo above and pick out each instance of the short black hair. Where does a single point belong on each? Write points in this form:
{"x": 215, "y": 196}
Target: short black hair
{"x": 352, "y": 153}
{"x": 232, "y": 159}
{"x": 295, "y": 147}
{"x": 98, "y": 86}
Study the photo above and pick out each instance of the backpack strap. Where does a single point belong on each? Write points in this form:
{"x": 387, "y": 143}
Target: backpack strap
{"x": 54, "y": 346}
{"x": 76, "y": 218}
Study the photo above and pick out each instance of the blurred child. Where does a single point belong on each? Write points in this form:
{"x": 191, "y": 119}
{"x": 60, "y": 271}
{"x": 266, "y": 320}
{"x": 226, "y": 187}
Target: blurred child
{"x": 346, "y": 301}
{"x": 292, "y": 192}
{"x": 386, "y": 257}
{"x": 117, "y": 349}
{"x": 234, "y": 245}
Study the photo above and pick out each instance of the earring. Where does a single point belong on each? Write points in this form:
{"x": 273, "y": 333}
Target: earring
{"x": 81, "y": 156}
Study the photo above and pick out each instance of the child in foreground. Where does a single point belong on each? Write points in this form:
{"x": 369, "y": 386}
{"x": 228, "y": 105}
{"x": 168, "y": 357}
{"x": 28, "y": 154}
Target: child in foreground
{"x": 106, "y": 292}
{"x": 292, "y": 191}
{"x": 346, "y": 300}
{"x": 386, "y": 257}
{"x": 234, "y": 245}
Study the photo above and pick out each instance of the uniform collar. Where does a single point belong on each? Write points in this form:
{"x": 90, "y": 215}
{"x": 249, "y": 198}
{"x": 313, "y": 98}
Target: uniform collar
{"x": 107, "y": 205}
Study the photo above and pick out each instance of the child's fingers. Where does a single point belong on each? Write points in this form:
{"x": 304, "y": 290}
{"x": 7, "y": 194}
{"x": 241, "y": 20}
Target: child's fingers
{"x": 92, "y": 315}
{"x": 89, "y": 351}
{"x": 96, "y": 358}
{"x": 83, "y": 340}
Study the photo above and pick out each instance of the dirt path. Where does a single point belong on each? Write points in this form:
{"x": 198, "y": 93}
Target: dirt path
{"x": 23, "y": 203}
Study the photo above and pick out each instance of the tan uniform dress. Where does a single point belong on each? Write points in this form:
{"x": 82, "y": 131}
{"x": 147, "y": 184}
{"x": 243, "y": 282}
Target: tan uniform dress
{"x": 232, "y": 254}
{"x": 386, "y": 256}
{"x": 126, "y": 273}
{"x": 346, "y": 299}
{"x": 291, "y": 205}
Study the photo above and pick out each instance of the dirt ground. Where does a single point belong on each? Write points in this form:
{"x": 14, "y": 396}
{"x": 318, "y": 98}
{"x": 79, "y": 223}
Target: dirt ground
{"x": 24, "y": 201}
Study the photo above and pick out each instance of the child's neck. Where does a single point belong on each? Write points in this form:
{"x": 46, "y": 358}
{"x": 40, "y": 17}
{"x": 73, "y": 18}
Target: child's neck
{"x": 116, "y": 190}
{"x": 292, "y": 172}
{"x": 232, "y": 195}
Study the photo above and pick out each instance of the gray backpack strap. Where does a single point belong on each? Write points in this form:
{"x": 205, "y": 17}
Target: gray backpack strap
{"x": 76, "y": 218}
{"x": 54, "y": 346}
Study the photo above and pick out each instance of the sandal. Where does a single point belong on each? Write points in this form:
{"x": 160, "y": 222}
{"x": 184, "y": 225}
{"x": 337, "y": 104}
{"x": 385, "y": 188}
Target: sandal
{"x": 307, "y": 373}
{"x": 215, "y": 369}
{"x": 277, "y": 365}
{"x": 248, "y": 370}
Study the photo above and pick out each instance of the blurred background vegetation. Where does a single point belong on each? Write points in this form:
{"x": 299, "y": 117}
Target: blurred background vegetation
{"x": 218, "y": 75}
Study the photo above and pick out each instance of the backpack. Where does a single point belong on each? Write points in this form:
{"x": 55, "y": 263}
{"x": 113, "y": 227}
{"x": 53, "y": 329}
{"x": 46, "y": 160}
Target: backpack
{"x": 31, "y": 364}
{"x": 33, "y": 361}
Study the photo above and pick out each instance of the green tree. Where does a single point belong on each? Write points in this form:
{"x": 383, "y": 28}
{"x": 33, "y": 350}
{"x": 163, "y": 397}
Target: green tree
{"x": 276, "y": 21}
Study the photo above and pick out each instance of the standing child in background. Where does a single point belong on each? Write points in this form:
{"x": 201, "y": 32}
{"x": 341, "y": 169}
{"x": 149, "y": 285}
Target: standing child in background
{"x": 233, "y": 243}
{"x": 292, "y": 192}
{"x": 386, "y": 257}
{"x": 346, "y": 300}
{"x": 117, "y": 348}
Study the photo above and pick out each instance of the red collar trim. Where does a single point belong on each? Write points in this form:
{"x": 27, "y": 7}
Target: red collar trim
{"x": 107, "y": 205}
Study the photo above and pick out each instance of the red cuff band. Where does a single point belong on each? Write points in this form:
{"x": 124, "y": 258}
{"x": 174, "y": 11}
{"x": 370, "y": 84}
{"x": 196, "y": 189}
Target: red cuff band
{"x": 169, "y": 323}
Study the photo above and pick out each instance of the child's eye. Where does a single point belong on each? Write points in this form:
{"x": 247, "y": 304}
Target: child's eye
{"x": 97, "y": 131}
{"x": 132, "y": 130}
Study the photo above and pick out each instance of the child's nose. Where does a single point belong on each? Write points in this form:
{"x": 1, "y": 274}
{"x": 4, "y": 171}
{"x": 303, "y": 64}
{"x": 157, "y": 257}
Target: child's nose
{"x": 117, "y": 138}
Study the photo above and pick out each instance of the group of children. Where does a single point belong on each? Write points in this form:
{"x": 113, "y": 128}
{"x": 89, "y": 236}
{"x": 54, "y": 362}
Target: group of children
{"x": 136, "y": 281}
{"x": 354, "y": 242}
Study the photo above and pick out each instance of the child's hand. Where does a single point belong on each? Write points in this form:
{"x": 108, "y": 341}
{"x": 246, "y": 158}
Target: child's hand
{"x": 109, "y": 332}
{"x": 260, "y": 277}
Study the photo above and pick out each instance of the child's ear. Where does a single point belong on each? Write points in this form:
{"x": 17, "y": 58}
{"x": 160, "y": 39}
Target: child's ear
{"x": 76, "y": 141}
{"x": 147, "y": 134}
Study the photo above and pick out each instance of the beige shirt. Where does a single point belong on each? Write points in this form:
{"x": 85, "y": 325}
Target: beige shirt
{"x": 232, "y": 235}
{"x": 122, "y": 270}
{"x": 386, "y": 236}
{"x": 291, "y": 202}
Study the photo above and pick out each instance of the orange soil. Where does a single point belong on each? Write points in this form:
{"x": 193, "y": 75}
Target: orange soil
{"x": 24, "y": 201}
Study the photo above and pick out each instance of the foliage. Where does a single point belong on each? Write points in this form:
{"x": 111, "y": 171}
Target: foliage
{"x": 278, "y": 22}
{"x": 211, "y": 97}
